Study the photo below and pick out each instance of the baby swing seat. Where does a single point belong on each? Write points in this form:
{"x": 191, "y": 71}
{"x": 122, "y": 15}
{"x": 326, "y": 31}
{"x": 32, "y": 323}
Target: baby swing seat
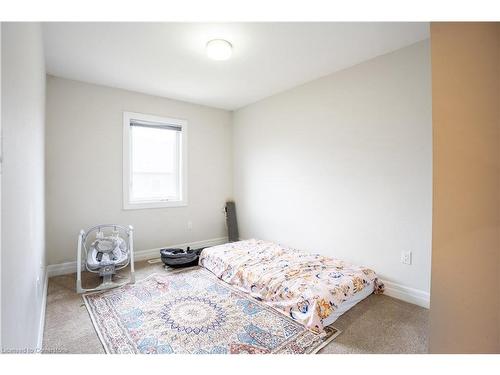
{"x": 105, "y": 249}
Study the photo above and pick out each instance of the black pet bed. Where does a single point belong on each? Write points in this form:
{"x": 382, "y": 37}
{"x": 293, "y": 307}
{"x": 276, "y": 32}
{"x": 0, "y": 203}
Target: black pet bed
{"x": 175, "y": 257}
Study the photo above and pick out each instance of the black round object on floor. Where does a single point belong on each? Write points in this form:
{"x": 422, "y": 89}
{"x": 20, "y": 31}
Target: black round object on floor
{"x": 175, "y": 257}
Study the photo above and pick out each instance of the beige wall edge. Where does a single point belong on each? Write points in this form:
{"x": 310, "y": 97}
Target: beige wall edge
{"x": 465, "y": 287}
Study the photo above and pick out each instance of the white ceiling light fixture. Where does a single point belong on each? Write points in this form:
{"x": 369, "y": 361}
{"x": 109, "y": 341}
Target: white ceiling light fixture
{"x": 219, "y": 49}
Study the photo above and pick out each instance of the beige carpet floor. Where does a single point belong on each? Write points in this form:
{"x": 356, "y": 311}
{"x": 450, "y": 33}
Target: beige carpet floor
{"x": 378, "y": 324}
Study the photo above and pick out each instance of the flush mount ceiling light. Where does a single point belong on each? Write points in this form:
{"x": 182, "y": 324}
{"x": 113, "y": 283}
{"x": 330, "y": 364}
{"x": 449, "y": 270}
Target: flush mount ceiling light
{"x": 219, "y": 49}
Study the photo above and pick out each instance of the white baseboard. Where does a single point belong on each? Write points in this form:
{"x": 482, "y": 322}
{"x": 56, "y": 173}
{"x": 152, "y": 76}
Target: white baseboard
{"x": 407, "y": 294}
{"x": 61, "y": 269}
{"x": 70, "y": 267}
{"x": 41, "y": 324}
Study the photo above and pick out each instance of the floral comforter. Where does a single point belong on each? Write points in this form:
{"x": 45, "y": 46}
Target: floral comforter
{"x": 307, "y": 287}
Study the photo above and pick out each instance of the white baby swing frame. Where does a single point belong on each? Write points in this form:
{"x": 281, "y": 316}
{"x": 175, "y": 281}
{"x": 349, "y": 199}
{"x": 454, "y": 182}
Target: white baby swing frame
{"x": 107, "y": 278}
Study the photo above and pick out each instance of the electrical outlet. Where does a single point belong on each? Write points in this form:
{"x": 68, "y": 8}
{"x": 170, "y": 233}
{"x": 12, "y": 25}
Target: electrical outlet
{"x": 190, "y": 225}
{"x": 406, "y": 257}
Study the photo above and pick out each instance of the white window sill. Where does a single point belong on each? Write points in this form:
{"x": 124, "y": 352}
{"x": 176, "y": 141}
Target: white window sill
{"x": 158, "y": 204}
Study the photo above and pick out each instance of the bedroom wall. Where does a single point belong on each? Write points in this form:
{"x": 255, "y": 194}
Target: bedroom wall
{"x": 465, "y": 304}
{"x": 343, "y": 166}
{"x": 23, "y": 242}
{"x": 84, "y": 168}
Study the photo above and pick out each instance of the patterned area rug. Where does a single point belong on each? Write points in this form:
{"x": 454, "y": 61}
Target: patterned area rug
{"x": 192, "y": 311}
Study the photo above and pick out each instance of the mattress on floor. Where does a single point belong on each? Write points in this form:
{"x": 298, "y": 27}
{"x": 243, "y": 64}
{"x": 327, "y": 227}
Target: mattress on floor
{"x": 349, "y": 303}
{"x": 310, "y": 288}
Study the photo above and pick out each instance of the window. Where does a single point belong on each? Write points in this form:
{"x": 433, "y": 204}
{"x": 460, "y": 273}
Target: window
{"x": 154, "y": 161}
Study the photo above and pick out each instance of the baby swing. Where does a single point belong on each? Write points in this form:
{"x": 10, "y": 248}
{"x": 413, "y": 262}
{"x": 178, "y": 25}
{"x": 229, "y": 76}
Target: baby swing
{"x": 105, "y": 249}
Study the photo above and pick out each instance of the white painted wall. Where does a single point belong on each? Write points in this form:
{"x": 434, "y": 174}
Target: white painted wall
{"x": 343, "y": 166}
{"x": 84, "y": 168}
{"x": 23, "y": 236}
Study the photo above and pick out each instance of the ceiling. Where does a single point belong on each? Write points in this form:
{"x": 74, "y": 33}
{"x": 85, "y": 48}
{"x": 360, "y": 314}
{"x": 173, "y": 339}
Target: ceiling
{"x": 169, "y": 59}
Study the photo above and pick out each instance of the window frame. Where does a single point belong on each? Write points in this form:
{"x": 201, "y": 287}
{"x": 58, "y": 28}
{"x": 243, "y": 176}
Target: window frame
{"x": 127, "y": 165}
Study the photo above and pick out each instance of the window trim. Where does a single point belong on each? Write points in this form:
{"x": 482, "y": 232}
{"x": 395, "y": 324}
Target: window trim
{"x": 127, "y": 205}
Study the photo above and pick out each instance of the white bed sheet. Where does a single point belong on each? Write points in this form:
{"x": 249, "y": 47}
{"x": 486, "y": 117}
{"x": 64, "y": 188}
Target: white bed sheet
{"x": 349, "y": 303}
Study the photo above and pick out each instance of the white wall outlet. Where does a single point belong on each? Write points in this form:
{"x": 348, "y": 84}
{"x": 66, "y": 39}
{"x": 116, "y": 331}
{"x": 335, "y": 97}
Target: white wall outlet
{"x": 406, "y": 257}
{"x": 190, "y": 225}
